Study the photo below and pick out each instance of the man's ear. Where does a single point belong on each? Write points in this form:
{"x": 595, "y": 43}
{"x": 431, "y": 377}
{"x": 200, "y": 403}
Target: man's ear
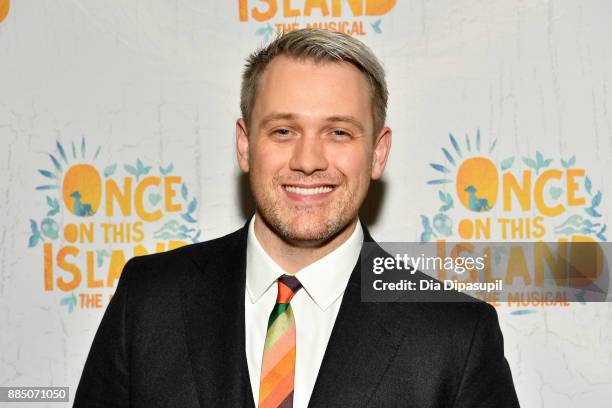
{"x": 242, "y": 145}
{"x": 382, "y": 147}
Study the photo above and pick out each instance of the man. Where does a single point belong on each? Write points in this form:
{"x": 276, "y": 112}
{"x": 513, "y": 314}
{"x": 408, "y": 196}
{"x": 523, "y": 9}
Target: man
{"x": 271, "y": 315}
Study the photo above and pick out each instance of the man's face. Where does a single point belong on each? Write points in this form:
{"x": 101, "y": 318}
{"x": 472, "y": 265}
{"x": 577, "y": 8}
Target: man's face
{"x": 310, "y": 149}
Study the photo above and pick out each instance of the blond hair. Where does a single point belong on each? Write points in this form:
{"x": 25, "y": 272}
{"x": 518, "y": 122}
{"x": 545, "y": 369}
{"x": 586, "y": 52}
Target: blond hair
{"x": 318, "y": 45}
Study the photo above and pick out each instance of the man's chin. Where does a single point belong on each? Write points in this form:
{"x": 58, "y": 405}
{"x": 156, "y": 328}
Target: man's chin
{"x": 306, "y": 231}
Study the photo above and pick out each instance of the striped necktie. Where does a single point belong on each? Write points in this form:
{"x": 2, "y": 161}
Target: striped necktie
{"x": 278, "y": 364}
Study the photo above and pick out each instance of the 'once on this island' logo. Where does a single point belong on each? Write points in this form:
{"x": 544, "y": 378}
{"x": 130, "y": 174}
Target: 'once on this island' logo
{"x": 353, "y": 17}
{"x": 99, "y": 216}
{"x": 531, "y": 198}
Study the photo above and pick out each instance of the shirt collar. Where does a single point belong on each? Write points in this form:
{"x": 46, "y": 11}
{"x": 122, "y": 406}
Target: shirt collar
{"x": 323, "y": 280}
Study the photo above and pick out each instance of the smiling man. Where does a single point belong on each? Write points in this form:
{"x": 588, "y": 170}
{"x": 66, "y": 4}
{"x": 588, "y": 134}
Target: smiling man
{"x": 271, "y": 315}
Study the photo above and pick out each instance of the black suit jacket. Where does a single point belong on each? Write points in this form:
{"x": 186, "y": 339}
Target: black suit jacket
{"x": 173, "y": 335}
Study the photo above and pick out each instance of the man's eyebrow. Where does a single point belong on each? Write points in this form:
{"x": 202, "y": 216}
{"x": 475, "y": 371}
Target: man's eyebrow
{"x": 277, "y": 116}
{"x": 348, "y": 119}
{"x": 292, "y": 116}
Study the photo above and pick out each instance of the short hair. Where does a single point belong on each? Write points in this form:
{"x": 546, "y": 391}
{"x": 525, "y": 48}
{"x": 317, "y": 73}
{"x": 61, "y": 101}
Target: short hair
{"x": 319, "y": 45}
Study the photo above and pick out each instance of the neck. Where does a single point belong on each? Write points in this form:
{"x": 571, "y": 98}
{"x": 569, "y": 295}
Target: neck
{"x": 293, "y": 256}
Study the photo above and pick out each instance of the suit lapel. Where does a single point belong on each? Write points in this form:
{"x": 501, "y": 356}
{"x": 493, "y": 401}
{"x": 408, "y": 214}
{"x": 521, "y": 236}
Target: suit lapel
{"x": 363, "y": 342}
{"x": 213, "y": 311}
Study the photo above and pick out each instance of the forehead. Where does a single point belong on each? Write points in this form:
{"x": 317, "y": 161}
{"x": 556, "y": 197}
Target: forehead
{"x": 313, "y": 89}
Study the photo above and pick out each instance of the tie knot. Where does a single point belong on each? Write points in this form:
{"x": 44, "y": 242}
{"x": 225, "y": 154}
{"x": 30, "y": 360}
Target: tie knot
{"x": 287, "y": 287}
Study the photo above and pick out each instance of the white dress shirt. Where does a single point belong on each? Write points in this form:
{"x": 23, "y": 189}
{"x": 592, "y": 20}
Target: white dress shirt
{"x": 315, "y": 307}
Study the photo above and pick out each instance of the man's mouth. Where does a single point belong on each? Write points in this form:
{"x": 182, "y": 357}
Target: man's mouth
{"x": 308, "y": 190}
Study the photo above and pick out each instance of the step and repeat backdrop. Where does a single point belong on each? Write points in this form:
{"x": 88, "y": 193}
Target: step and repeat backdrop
{"x": 117, "y": 129}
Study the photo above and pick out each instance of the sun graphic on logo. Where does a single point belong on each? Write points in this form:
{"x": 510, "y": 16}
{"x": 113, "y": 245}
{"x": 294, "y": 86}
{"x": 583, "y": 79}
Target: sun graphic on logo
{"x": 80, "y": 183}
{"x": 4, "y": 9}
{"x": 475, "y": 176}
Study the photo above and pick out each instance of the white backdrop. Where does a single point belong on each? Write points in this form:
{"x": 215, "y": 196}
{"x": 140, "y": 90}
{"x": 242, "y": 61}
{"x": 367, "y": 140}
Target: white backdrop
{"x": 112, "y": 83}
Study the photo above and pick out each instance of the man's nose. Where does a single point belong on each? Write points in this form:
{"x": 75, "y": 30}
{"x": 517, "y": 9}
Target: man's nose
{"x": 308, "y": 155}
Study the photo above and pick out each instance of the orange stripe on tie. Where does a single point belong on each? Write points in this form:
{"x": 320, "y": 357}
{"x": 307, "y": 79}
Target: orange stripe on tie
{"x": 278, "y": 362}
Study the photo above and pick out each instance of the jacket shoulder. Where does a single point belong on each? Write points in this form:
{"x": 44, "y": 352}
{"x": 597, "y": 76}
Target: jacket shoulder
{"x": 165, "y": 266}
{"x": 198, "y": 252}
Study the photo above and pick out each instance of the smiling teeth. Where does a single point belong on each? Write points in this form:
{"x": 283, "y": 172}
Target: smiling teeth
{"x": 307, "y": 191}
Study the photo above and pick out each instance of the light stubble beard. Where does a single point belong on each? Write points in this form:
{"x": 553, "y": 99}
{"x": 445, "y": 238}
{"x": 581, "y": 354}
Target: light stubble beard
{"x": 274, "y": 215}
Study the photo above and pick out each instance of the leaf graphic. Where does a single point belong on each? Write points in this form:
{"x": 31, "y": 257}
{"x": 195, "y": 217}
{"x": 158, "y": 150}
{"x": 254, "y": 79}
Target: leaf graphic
{"x": 541, "y": 162}
{"x": 194, "y": 239}
{"x": 592, "y": 212}
{"x": 60, "y": 148}
{"x": 184, "y": 191}
{"x": 425, "y": 222}
{"x": 188, "y": 218}
{"x": 596, "y": 200}
{"x": 448, "y": 156}
{"x": 70, "y": 302}
{"x": 261, "y": 31}
{"x": 601, "y": 235}
{"x": 442, "y": 196}
{"x": 49, "y": 228}
{"x": 100, "y": 254}
{"x": 56, "y": 163}
{"x": 587, "y": 223}
{"x": 587, "y": 185}
{"x": 109, "y": 170}
{"x": 192, "y": 206}
{"x": 522, "y": 312}
{"x": 507, "y": 163}
{"x": 139, "y": 165}
{"x": 574, "y": 220}
{"x": 569, "y": 162}
{"x": 47, "y": 174}
{"x": 167, "y": 170}
{"x": 555, "y": 192}
{"x": 73, "y": 151}
{"x": 478, "y": 139}
{"x": 439, "y": 181}
{"x": 455, "y": 144}
{"x": 427, "y": 231}
{"x": 33, "y": 226}
{"x": 83, "y": 147}
{"x": 440, "y": 168}
{"x": 154, "y": 199}
{"x": 530, "y": 163}
{"x": 97, "y": 152}
{"x": 376, "y": 26}
{"x": 52, "y": 202}
{"x": 47, "y": 187}
{"x": 425, "y": 236}
{"x": 447, "y": 200}
{"x": 33, "y": 241}
{"x": 467, "y": 143}
{"x": 131, "y": 170}
{"x": 493, "y": 146}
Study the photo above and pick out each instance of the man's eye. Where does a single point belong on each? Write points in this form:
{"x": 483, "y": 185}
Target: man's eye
{"x": 339, "y": 133}
{"x": 282, "y": 132}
